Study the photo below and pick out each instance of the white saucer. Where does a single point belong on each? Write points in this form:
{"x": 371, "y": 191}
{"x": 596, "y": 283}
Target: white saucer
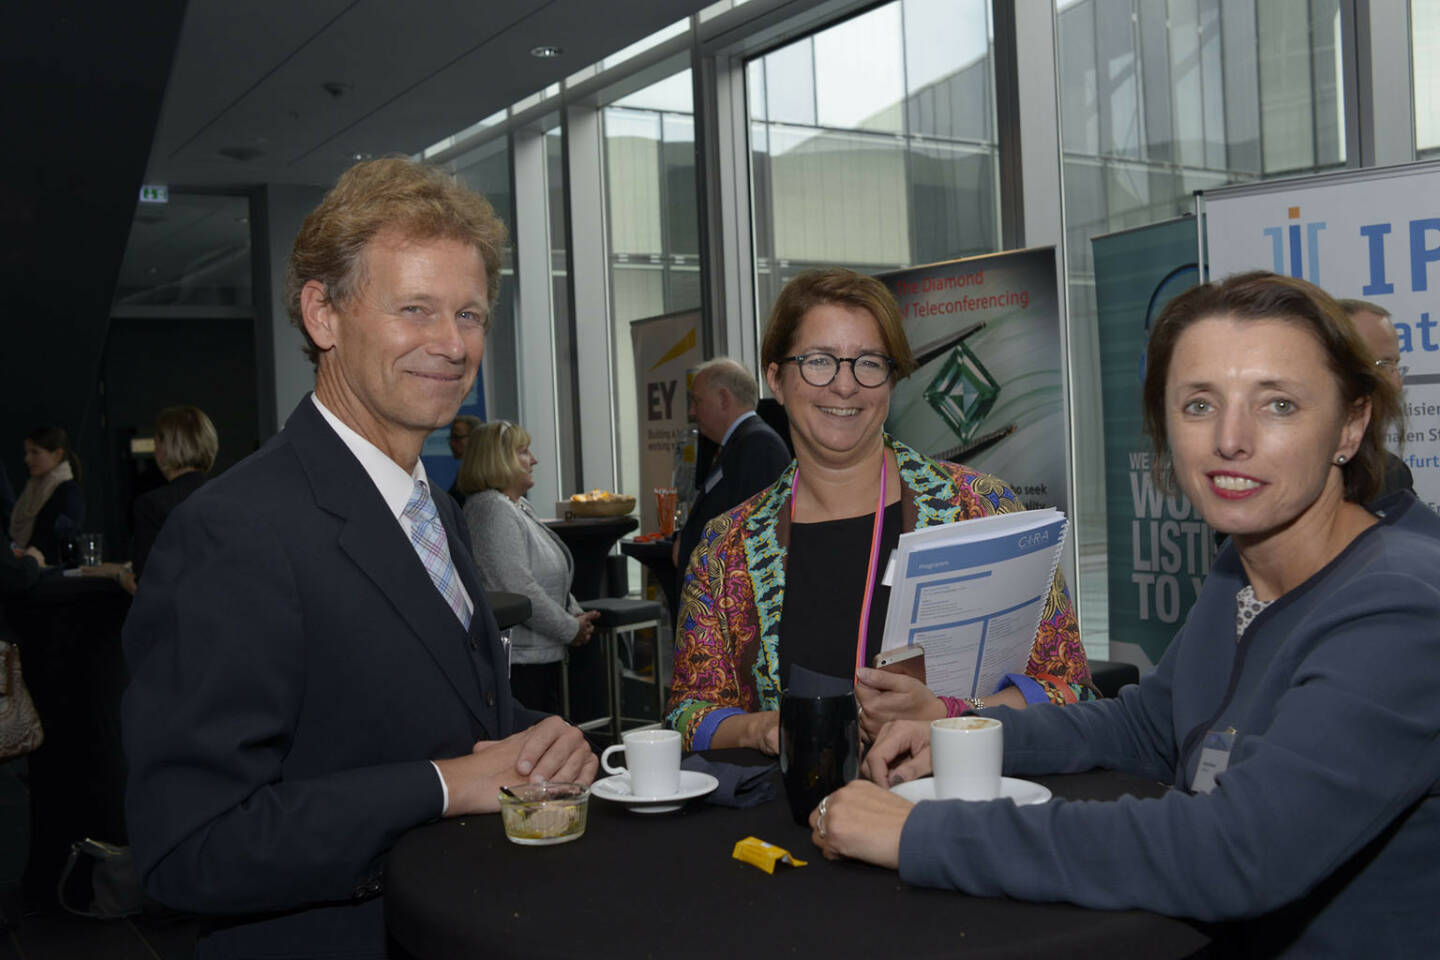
{"x": 1023, "y": 792}
{"x": 617, "y": 790}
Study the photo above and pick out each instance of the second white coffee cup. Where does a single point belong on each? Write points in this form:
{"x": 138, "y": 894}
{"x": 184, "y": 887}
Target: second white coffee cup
{"x": 652, "y": 758}
{"x": 967, "y": 754}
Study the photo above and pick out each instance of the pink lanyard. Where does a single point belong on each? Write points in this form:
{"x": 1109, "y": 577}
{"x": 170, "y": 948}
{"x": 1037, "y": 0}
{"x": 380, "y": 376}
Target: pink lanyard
{"x": 871, "y": 571}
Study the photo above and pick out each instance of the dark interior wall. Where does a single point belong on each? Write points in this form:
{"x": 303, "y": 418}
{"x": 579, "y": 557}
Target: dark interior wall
{"x": 155, "y": 363}
{"x": 83, "y": 83}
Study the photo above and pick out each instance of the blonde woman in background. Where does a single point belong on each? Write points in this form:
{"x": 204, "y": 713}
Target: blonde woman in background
{"x": 516, "y": 553}
{"x": 185, "y": 448}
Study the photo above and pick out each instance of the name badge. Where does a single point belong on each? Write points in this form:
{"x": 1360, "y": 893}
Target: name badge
{"x": 713, "y": 479}
{"x": 1214, "y": 758}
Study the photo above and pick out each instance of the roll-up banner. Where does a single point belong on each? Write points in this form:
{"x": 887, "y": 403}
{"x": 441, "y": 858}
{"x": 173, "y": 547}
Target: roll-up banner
{"x": 988, "y": 391}
{"x": 665, "y": 347}
{"x": 1159, "y": 548}
{"x": 1371, "y": 234}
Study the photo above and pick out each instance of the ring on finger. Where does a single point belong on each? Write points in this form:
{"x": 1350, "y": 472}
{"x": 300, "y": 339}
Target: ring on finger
{"x": 820, "y": 821}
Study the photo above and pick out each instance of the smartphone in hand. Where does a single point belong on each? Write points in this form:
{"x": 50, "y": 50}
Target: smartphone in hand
{"x": 909, "y": 661}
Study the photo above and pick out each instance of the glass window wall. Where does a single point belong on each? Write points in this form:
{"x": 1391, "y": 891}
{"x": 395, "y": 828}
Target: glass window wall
{"x": 1158, "y": 99}
{"x": 873, "y": 143}
{"x": 192, "y": 251}
{"x": 1425, "y": 66}
{"x": 487, "y": 170}
{"x": 652, "y": 216}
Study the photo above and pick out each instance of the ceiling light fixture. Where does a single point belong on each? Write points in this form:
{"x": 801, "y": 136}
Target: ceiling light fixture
{"x": 546, "y": 52}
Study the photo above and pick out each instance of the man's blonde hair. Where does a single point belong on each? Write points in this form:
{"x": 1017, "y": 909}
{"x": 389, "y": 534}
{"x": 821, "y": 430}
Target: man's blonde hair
{"x": 392, "y": 193}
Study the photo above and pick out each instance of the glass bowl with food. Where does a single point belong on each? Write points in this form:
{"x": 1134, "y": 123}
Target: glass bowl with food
{"x": 540, "y": 814}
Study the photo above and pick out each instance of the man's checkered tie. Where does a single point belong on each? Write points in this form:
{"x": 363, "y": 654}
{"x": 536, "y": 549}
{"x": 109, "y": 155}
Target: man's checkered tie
{"x": 427, "y": 535}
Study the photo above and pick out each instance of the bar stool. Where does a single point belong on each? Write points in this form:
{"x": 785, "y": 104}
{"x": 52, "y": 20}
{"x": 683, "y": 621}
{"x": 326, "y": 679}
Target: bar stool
{"x": 619, "y": 616}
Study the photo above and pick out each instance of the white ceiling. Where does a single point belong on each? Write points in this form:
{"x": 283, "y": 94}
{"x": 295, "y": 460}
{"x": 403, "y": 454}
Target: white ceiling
{"x": 249, "y": 78}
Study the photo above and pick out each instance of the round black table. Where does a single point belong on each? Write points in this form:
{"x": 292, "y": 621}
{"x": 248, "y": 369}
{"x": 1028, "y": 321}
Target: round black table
{"x": 68, "y": 628}
{"x": 638, "y": 886}
{"x": 590, "y": 540}
{"x": 654, "y": 555}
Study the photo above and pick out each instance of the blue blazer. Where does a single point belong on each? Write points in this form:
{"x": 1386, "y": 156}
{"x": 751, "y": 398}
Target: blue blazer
{"x": 294, "y": 670}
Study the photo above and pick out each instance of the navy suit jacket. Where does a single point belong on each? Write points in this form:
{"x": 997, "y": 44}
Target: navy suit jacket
{"x": 293, "y": 671}
{"x": 749, "y": 462}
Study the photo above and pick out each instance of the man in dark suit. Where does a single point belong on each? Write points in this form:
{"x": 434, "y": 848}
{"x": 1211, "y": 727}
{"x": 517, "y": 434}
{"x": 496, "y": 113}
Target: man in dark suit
{"x": 723, "y": 395}
{"x": 1378, "y": 331}
{"x": 315, "y": 669}
{"x": 460, "y": 431}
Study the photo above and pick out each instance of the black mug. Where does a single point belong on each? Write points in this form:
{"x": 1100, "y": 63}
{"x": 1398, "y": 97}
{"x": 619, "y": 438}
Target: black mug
{"x": 819, "y": 748}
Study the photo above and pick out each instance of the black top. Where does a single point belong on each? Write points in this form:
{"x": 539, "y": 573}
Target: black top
{"x": 824, "y": 586}
{"x": 153, "y": 507}
{"x": 59, "y": 520}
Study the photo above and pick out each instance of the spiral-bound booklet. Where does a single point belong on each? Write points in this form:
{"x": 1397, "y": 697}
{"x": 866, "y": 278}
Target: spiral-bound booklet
{"x": 972, "y": 594}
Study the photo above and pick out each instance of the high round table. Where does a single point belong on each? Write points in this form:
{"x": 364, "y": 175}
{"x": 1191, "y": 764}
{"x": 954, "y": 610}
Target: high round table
{"x": 68, "y": 628}
{"x": 665, "y": 885}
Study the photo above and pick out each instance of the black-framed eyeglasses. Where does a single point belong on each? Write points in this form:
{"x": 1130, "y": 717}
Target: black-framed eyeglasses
{"x": 819, "y": 369}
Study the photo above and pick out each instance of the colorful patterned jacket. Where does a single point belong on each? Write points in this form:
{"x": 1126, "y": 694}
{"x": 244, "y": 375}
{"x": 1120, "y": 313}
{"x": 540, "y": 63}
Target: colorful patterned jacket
{"x": 727, "y": 653}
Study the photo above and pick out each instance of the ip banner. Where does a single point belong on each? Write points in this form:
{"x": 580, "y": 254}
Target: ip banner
{"x": 665, "y": 347}
{"x": 1372, "y": 234}
{"x": 987, "y": 393}
{"x": 1159, "y": 548}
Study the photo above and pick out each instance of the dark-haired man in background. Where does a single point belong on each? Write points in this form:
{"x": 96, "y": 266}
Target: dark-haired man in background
{"x": 1378, "y": 331}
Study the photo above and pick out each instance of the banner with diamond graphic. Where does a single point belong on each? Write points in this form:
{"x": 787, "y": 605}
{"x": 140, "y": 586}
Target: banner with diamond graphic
{"x": 987, "y": 392}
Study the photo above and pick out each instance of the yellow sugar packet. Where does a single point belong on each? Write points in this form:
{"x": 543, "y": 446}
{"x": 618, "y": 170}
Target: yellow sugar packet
{"x": 758, "y": 853}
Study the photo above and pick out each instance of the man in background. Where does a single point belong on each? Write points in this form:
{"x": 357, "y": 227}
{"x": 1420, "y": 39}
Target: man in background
{"x": 314, "y": 666}
{"x": 1378, "y": 331}
{"x": 460, "y": 429}
{"x": 723, "y": 395}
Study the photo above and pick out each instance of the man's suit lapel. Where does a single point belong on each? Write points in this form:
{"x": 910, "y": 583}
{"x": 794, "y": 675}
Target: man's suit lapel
{"x": 376, "y": 543}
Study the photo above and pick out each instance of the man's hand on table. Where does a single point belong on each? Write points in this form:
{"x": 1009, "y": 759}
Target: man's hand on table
{"x": 550, "y": 750}
{"x": 900, "y": 752}
{"x": 861, "y": 821}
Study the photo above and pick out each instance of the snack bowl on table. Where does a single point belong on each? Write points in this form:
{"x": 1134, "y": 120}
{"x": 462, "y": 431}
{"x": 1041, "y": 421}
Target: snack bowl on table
{"x": 540, "y": 814}
{"x": 599, "y": 503}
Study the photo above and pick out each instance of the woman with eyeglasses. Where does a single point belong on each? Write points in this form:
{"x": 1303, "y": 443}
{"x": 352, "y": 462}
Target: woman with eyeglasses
{"x": 517, "y": 553}
{"x": 791, "y": 577}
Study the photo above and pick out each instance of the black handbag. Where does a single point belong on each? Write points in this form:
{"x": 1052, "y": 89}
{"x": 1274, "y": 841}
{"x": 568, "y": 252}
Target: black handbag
{"x": 103, "y": 873}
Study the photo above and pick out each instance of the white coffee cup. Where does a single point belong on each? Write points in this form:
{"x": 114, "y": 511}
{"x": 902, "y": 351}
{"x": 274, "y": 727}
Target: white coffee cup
{"x": 967, "y": 754}
{"x": 652, "y": 758}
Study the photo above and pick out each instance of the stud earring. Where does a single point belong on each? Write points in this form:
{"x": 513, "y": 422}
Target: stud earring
{"x": 1340, "y": 460}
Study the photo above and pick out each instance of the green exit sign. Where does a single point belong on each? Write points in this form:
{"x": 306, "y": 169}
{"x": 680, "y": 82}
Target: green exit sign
{"x": 154, "y": 193}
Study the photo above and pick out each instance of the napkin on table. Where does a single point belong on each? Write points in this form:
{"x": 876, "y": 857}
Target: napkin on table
{"x": 738, "y": 786}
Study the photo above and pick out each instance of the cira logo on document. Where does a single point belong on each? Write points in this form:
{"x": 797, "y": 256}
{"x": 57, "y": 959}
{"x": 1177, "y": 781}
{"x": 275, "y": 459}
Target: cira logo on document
{"x": 1034, "y": 539}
